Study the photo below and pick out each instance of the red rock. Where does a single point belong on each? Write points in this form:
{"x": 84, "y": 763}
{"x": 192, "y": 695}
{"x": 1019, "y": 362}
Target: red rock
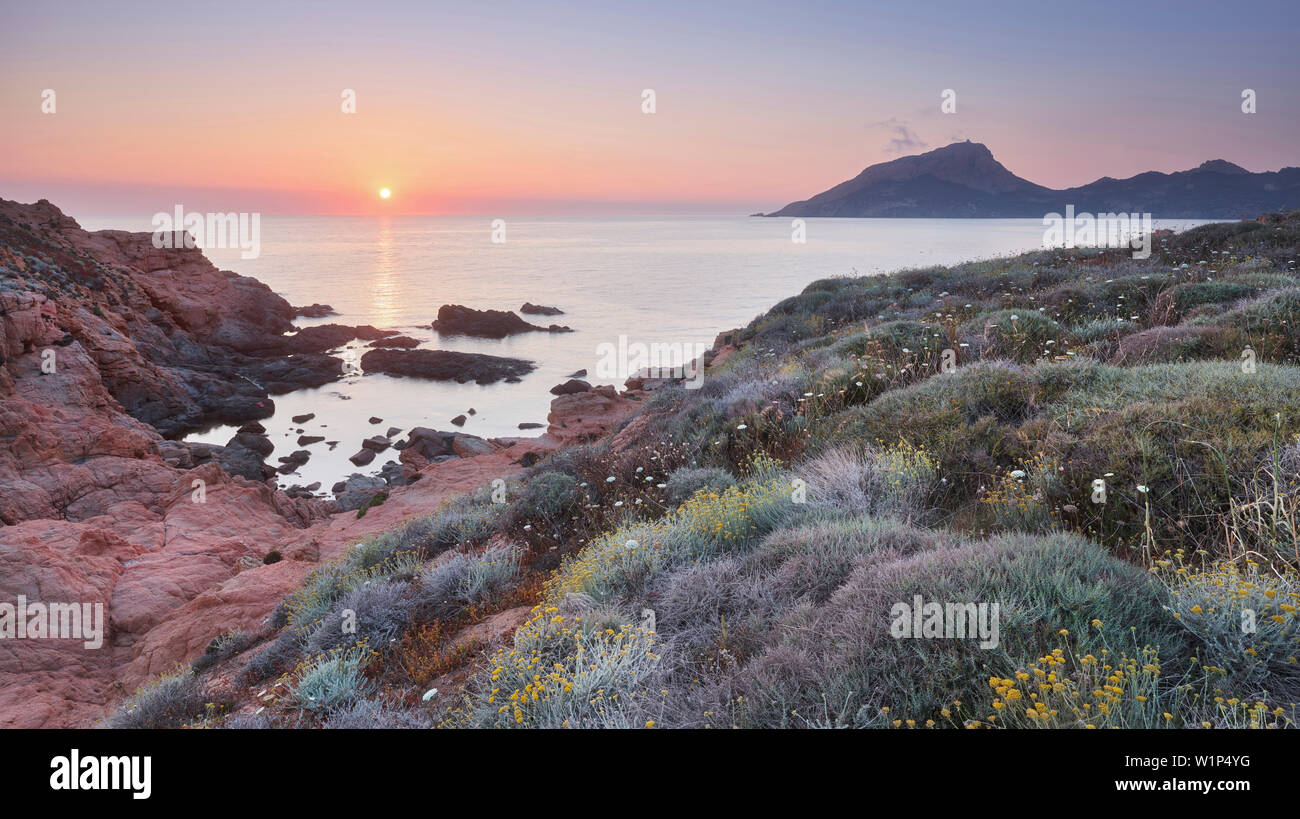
{"x": 585, "y": 416}
{"x": 92, "y": 511}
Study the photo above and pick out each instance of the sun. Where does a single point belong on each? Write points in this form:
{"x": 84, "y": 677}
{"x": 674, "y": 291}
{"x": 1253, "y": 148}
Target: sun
{"x": 384, "y": 193}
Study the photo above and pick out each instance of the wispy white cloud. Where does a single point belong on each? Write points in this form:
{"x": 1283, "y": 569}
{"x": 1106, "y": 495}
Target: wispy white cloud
{"x": 904, "y": 139}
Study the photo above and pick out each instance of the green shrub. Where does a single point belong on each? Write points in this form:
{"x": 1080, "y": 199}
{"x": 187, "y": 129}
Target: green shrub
{"x": 685, "y": 482}
{"x": 458, "y": 580}
{"x": 490, "y": 574}
{"x": 223, "y": 647}
{"x": 332, "y": 682}
{"x": 374, "y": 500}
{"x": 1186, "y": 343}
{"x": 277, "y": 658}
{"x": 546, "y": 499}
{"x": 369, "y": 714}
{"x": 1021, "y": 335}
{"x": 377, "y": 611}
{"x": 591, "y": 676}
{"x": 169, "y": 701}
{"x": 328, "y": 582}
{"x": 1191, "y": 431}
{"x": 1172, "y": 304}
{"x": 815, "y": 557}
{"x": 894, "y": 480}
{"x": 1272, "y": 324}
{"x": 1246, "y": 624}
{"x": 1099, "y": 329}
{"x": 1042, "y": 585}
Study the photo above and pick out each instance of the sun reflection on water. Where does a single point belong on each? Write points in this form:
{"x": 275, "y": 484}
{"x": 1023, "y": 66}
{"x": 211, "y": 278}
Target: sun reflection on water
{"x": 386, "y": 290}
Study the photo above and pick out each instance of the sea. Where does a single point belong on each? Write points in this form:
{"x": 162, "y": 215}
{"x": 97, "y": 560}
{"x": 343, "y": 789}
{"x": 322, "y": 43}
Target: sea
{"x": 673, "y": 280}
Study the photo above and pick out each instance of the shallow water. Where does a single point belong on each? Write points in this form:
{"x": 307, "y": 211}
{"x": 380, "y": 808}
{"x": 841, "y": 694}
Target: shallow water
{"x": 675, "y": 280}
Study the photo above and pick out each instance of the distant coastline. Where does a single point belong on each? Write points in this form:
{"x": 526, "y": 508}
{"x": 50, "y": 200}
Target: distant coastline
{"x": 963, "y": 180}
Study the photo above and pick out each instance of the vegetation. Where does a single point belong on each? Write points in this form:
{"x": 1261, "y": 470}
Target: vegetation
{"x": 172, "y": 700}
{"x": 1102, "y": 452}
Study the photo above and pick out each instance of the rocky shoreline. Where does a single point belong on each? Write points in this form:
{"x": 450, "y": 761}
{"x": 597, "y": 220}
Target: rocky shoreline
{"x": 180, "y": 541}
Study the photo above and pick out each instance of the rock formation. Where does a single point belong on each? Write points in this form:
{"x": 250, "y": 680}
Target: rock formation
{"x": 457, "y": 319}
{"x": 446, "y": 365}
{"x": 108, "y": 346}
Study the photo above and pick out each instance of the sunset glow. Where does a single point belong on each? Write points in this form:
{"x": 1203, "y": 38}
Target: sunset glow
{"x": 554, "y": 118}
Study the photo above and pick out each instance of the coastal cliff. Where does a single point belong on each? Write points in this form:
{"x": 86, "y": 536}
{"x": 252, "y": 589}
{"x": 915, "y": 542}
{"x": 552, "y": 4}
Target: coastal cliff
{"x": 109, "y": 349}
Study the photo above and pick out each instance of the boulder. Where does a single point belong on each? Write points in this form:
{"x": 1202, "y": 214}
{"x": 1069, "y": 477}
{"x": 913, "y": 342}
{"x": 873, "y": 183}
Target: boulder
{"x": 540, "y": 310}
{"x": 365, "y": 332}
{"x": 455, "y": 319}
{"x": 354, "y": 492}
{"x": 317, "y": 339}
{"x": 249, "y": 440}
{"x": 291, "y": 463}
{"x": 295, "y": 371}
{"x": 233, "y": 460}
{"x": 569, "y": 387}
{"x": 314, "y": 311}
{"x": 585, "y": 416}
{"x": 649, "y": 378}
{"x": 470, "y": 446}
{"x": 424, "y": 445}
{"x": 393, "y": 474}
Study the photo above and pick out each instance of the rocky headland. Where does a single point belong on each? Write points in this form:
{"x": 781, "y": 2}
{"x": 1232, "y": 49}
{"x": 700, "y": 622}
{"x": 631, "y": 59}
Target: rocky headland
{"x": 110, "y": 349}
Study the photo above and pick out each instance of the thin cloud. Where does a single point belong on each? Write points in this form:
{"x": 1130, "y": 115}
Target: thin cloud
{"x": 903, "y": 139}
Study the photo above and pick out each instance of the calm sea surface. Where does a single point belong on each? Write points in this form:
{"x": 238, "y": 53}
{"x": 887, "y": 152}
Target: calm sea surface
{"x": 672, "y": 280}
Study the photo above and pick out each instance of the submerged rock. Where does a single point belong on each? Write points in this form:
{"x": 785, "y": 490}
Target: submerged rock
{"x": 404, "y": 342}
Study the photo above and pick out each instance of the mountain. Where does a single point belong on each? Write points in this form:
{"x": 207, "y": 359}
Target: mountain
{"x": 964, "y": 180}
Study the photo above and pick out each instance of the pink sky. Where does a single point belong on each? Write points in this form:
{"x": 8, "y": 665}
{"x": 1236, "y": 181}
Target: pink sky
{"x": 507, "y": 108}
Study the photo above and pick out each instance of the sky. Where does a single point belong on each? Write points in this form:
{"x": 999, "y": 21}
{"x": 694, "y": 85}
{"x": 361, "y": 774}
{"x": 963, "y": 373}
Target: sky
{"x": 507, "y": 107}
